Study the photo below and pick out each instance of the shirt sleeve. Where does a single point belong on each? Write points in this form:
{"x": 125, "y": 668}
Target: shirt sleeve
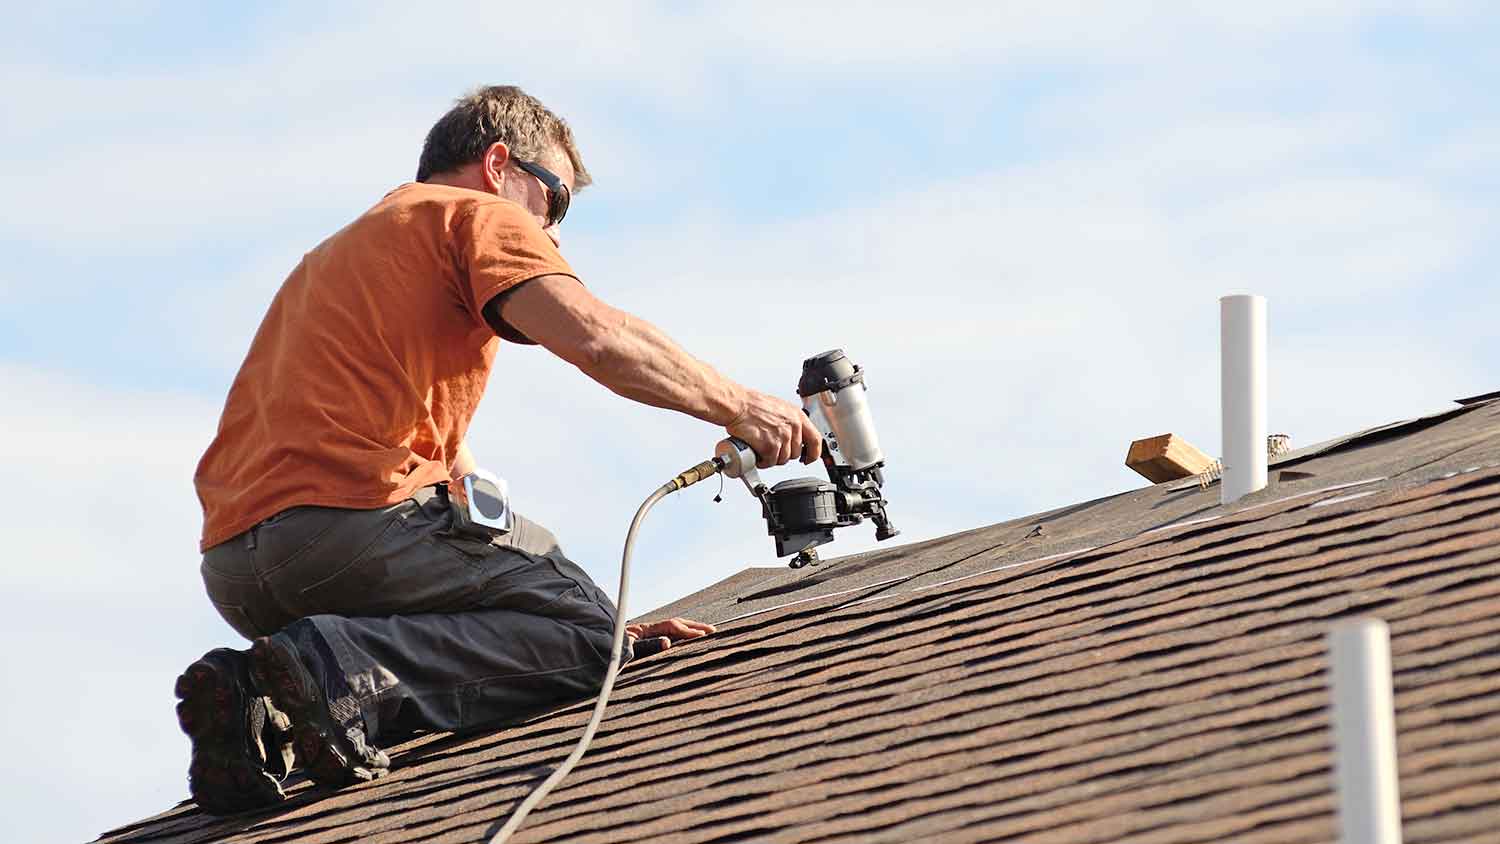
{"x": 499, "y": 245}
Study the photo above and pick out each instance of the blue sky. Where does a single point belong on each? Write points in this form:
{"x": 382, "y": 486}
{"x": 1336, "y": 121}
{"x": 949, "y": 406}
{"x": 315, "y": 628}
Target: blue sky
{"x": 1018, "y": 217}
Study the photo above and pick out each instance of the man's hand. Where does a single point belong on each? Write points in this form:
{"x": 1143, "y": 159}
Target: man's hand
{"x": 666, "y": 632}
{"x": 776, "y": 430}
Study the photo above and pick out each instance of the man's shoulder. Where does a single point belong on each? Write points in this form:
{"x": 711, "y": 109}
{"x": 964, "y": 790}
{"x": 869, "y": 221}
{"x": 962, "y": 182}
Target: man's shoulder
{"x": 420, "y": 211}
{"x": 457, "y": 202}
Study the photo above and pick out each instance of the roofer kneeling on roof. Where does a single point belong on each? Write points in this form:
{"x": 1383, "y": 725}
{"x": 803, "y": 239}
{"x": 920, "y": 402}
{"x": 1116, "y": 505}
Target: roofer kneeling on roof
{"x": 329, "y": 539}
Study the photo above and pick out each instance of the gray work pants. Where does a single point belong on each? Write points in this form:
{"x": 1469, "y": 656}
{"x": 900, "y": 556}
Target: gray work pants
{"x": 431, "y": 630}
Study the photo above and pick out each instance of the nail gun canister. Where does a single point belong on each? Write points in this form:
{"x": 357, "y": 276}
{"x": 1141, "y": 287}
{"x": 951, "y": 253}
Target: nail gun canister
{"x": 805, "y": 504}
{"x": 833, "y": 394}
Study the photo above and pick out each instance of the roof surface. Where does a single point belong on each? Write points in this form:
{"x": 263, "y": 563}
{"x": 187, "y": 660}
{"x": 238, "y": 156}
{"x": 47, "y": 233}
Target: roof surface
{"x": 1145, "y": 667}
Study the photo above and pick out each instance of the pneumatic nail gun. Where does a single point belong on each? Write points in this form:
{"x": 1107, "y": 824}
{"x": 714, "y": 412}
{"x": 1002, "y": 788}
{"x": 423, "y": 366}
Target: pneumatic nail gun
{"x": 802, "y": 513}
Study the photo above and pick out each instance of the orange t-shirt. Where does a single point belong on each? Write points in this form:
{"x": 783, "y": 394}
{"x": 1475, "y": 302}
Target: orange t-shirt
{"x": 363, "y": 377}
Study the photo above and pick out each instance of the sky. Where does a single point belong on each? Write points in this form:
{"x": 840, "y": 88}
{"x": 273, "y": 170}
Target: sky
{"x": 1018, "y": 217}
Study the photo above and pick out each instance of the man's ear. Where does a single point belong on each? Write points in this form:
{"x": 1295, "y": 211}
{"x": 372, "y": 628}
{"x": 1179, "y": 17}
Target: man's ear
{"x": 492, "y": 165}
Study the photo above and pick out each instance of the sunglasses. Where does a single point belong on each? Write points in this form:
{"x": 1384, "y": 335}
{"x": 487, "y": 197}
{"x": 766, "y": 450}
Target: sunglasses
{"x": 558, "y": 196}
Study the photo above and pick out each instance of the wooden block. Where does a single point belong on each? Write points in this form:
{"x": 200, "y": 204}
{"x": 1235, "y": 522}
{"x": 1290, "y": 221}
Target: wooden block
{"x": 1166, "y": 458}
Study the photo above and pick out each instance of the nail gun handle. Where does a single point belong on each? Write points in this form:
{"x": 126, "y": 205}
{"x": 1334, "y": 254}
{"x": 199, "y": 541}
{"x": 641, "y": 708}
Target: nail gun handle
{"x": 738, "y": 460}
{"x": 736, "y": 455}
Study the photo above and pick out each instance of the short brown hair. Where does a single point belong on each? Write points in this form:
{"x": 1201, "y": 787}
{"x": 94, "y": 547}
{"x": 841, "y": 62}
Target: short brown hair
{"x": 502, "y": 113}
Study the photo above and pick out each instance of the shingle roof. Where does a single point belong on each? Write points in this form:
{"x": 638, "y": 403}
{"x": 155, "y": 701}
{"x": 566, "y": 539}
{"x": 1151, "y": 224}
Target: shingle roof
{"x": 1145, "y": 667}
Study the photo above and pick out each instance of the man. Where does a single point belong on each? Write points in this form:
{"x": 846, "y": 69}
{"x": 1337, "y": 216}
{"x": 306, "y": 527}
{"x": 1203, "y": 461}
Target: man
{"x": 328, "y": 536}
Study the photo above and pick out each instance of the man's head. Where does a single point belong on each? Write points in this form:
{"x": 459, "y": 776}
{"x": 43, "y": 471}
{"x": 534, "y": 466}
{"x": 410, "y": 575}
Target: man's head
{"x": 501, "y": 140}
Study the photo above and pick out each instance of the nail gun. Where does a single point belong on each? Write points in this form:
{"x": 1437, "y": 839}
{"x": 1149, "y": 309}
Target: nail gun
{"x": 802, "y": 513}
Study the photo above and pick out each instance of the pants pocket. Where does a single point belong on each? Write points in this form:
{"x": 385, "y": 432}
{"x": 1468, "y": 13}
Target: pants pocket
{"x": 494, "y": 700}
{"x": 399, "y": 571}
{"x": 291, "y": 535}
{"x": 574, "y": 594}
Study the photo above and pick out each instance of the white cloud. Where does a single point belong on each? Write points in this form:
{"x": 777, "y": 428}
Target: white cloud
{"x": 857, "y": 37}
{"x": 321, "y": 118}
{"x": 105, "y": 602}
{"x": 108, "y": 474}
{"x": 1468, "y": 152}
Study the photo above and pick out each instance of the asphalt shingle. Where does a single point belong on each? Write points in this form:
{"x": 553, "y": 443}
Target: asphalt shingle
{"x": 1146, "y": 667}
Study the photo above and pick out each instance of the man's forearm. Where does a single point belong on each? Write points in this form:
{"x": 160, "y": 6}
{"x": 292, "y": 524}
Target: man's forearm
{"x": 637, "y": 360}
{"x": 627, "y": 354}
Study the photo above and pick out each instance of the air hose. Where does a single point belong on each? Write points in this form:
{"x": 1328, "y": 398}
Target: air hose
{"x": 706, "y": 469}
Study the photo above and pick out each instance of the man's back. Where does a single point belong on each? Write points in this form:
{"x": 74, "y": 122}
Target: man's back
{"x": 364, "y": 375}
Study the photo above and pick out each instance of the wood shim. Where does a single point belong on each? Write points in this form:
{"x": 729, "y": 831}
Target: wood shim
{"x": 1166, "y": 458}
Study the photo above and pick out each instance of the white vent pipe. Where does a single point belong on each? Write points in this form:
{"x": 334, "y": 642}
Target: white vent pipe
{"x": 1242, "y": 395}
{"x": 1364, "y": 733}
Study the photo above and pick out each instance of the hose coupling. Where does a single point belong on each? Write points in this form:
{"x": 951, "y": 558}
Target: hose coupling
{"x": 706, "y": 469}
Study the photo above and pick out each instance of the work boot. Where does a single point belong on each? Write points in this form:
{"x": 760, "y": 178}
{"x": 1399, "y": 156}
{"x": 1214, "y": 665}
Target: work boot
{"x": 229, "y": 723}
{"x": 276, "y": 737}
{"x": 298, "y": 672}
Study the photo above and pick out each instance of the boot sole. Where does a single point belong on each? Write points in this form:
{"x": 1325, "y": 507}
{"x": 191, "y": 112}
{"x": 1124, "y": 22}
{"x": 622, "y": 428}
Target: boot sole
{"x": 326, "y": 753}
{"x": 225, "y": 776}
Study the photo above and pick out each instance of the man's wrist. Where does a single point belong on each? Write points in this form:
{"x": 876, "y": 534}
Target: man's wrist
{"x": 739, "y": 406}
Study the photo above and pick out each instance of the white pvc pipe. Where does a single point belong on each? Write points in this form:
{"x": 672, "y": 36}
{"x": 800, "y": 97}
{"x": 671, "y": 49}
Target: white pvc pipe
{"x": 1364, "y": 733}
{"x": 1242, "y": 395}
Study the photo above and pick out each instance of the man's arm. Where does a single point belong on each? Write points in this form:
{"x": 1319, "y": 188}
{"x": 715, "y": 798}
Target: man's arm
{"x": 635, "y": 359}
